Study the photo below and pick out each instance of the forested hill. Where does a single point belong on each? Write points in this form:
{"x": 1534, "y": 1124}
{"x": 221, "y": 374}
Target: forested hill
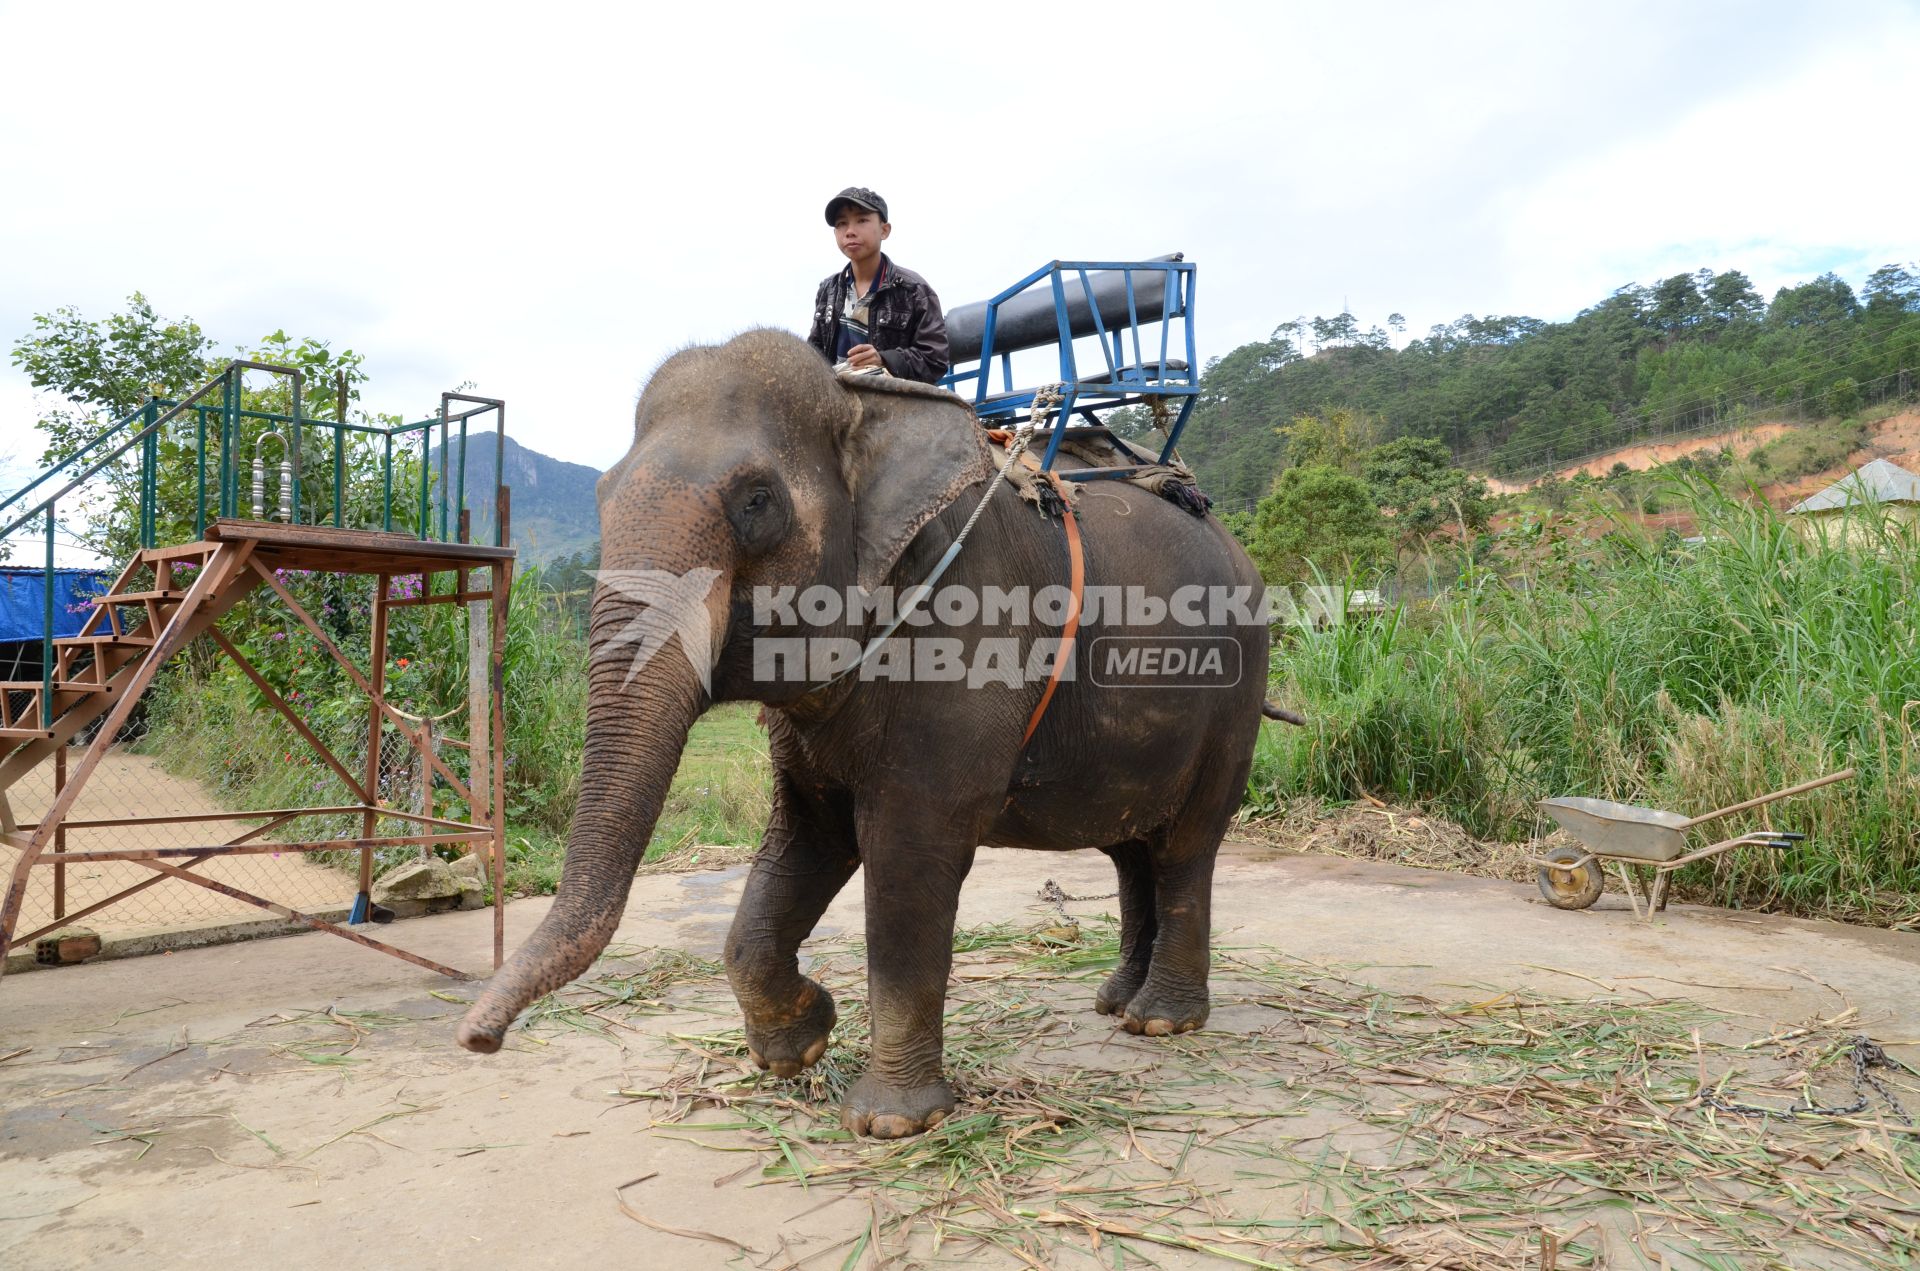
{"x": 1513, "y": 396}
{"x": 554, "y": 509}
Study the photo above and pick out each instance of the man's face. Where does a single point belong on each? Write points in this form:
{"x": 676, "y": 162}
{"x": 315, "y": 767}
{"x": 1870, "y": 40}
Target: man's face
{"x": 859, "y": 232}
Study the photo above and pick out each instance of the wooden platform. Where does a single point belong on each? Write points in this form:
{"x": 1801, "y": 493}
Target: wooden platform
{"x": 108, "y": 667}
{"x": 322, "y": 547}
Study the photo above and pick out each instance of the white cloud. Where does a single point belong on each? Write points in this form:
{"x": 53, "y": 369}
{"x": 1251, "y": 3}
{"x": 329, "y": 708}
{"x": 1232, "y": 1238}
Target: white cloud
{"x": 1809, "y": 173}
{"x": 547, "y": 203}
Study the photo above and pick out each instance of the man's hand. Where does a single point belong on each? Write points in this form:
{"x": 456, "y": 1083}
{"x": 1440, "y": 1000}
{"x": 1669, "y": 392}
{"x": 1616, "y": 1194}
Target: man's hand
{"x": 861, "y": 356}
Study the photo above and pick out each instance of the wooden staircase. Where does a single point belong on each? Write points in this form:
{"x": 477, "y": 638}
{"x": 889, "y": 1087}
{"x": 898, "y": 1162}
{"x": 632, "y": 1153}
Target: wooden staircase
{"x": 170, "y": 595}
{"x": 95, "y": 669}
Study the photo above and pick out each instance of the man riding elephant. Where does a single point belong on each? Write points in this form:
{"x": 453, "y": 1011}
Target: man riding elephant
{"x": 874, "y": 315}
{"x": 756, "y": 472}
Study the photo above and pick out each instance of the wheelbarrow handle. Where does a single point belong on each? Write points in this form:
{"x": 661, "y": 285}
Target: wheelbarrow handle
{"x": 1844, "y": 774}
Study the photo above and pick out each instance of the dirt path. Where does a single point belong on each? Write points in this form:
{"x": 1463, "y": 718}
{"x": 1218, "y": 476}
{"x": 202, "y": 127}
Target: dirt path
{"x": 1896, "y": 438}
{"x": 128, "y": 784}
{"x": 297, "y": 1101}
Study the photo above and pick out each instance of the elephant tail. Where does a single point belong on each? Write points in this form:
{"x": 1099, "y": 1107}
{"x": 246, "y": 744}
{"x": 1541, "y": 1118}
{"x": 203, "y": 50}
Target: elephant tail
{"x": 1282, "y": 714}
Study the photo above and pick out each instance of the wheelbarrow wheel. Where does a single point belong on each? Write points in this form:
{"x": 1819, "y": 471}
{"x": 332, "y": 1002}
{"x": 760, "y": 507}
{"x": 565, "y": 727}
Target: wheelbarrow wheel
{"x": 1567, "y": 884}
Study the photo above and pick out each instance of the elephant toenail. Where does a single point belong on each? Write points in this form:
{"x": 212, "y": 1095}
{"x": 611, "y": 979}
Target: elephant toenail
{"x": 935, "y": 1118}
{"x": 891, "y": 1127}
{"x": 784, "y": 1068}
{"x": 813, "y": 1053}
{"x": 1159, "y": 1027}
{"x": 755, "y": 1055}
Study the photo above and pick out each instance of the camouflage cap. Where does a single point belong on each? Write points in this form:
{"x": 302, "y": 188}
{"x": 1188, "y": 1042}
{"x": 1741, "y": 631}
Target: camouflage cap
{"x": 859, "y": 196}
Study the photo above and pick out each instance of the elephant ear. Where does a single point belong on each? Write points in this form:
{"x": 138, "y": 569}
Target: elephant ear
{"x": 906, "y": 452}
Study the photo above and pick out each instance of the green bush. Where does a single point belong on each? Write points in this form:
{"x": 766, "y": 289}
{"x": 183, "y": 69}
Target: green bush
{"x": 1687, "y": 677}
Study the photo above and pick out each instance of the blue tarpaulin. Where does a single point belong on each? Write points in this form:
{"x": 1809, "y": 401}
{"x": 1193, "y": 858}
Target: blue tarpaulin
{"x": 23, "y": 593}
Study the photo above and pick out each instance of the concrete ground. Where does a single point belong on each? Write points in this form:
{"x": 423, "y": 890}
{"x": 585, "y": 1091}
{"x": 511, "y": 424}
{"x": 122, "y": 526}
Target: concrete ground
{"x": 191, "y": 1110}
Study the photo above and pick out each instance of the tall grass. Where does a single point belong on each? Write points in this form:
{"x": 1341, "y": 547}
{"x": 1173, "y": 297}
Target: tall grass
{"x": 1648, "y": 670}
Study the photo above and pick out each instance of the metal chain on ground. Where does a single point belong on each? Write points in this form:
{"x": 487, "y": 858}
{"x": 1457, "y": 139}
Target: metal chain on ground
{"x": 1867, "y": 1055}
{"x": 1053, "y": 895}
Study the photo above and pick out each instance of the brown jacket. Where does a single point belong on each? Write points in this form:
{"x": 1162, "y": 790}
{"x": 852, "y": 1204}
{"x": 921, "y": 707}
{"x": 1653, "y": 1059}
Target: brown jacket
{"x": 908, "y": 329}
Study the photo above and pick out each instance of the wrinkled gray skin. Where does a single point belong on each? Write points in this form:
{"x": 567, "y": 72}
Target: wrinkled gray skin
{"x": 753, "y": 460}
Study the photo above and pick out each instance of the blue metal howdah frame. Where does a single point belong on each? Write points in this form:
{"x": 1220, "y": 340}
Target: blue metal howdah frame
{"x": 215, "y": 421}
{"x": 1102, "y": 299}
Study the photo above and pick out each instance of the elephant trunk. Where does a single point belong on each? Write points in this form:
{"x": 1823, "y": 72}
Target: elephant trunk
{"x": 635, "y": 733}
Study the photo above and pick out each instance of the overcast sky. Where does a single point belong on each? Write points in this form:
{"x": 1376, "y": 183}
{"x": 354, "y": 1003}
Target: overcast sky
{"x": 546, "y": 200}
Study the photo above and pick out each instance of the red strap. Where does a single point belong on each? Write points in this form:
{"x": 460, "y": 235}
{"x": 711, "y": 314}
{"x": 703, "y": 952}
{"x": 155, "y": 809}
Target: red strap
{"x": 1078, "y": 567}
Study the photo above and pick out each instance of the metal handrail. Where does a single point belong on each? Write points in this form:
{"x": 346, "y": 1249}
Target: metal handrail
{"x": 1124, "y": 382}
{"x": 46, "y": 504}
{"x": 229, "y": 414}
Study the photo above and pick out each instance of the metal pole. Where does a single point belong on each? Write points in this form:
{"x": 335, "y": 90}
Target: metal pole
{"x": 426, "y": 448}
{"x": 501, "y": 579}
{"x": 480, "y": 710}
{"x": 426, "y": 773}
{"x": 150, "y": 475}
{"x": 59, "y": 836}
{"x": 377, "y": 680}
{"x": 443, "y": 467}
{"x": 339, "y": 447}
{"x": 1802, "y": 788}
{"x": 295, "y": 426}
{"x": 460, "y": 494}
{"x": 227, "y": 394}
{"x": 46, "y": 640}
{"x": 200, "y": 475}
{"x": 386, "y": 486}
{"x": 499, "y": 474}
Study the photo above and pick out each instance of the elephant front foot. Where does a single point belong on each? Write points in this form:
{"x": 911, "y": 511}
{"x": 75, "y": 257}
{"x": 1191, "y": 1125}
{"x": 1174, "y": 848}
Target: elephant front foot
{"x": 894, "y": 1112}
{"x": 1162, "y": 1012}
{"x": 1119, "y": 989}
{"x": 794, "y": 1039}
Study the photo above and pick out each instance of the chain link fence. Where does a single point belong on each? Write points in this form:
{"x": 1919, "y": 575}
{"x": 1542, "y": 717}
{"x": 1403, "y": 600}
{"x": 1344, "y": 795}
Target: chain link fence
{"x": 205, "y": 747}
{"x": 131, "y": 781}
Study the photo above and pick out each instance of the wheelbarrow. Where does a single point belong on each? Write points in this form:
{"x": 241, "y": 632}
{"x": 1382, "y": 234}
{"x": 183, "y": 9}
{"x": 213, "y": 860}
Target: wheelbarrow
{"x": 1630, "y": 837}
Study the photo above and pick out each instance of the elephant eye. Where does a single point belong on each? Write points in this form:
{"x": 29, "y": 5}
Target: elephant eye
{"x": 758, "y": 512}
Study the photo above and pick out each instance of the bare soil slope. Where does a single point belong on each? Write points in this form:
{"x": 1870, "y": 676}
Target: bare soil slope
{"x": 1896, "y": 438}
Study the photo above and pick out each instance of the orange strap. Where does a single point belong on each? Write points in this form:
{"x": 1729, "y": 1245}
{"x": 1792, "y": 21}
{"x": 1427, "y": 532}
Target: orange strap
{"x": 1078, "y": 566}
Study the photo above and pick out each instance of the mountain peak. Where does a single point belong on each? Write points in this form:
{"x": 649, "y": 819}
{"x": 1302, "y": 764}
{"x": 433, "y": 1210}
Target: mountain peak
{"x": 554, "y": 512}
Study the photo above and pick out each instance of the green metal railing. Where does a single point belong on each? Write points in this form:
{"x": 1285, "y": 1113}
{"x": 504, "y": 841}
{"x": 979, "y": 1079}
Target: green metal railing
{"x": 218, "y": 412}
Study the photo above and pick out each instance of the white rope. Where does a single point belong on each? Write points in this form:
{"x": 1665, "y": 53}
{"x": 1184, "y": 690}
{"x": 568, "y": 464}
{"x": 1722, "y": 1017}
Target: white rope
{"x": 446, "y": 714}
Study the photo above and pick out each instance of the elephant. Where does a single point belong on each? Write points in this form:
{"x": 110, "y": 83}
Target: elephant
{"x": 755, "y": 467}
